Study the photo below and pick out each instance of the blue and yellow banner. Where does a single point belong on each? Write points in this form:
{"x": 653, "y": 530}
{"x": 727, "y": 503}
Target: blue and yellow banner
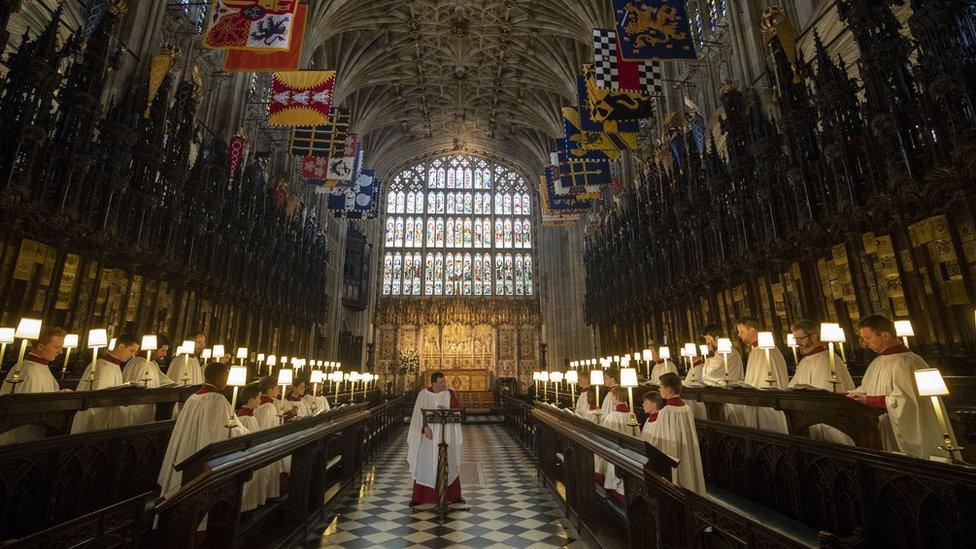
{"x": 653, "y": 29}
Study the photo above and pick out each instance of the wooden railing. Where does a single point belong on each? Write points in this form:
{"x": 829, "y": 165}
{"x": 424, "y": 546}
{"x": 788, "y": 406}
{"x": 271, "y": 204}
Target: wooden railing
{"x": 856, "y": 494}
{"x": 51, "y": 481}
{"x": 214, "y": 477}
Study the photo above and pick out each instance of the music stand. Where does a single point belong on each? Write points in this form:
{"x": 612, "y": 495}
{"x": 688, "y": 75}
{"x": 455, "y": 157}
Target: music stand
{"x": 443, "y": 416}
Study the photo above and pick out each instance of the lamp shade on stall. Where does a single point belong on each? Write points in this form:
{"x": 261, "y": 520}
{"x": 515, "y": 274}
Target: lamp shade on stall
{"x": 97, "y": 337}
{"x": 237, "y": 376}
{"x": 930, "y": 382}
{"x": 628, "y": 377}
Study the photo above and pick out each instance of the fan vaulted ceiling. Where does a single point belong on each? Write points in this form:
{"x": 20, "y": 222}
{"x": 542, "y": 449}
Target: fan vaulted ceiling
{"x": 432, "y": 76}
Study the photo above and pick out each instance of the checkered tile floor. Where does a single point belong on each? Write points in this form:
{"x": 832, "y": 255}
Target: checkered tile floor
{"x": 509, "y": 507}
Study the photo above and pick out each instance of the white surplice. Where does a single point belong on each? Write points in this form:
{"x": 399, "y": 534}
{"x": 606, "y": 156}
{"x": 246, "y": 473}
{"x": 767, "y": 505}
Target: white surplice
{"x": 583, "y": 403}
{"x": 619, "y": 422}
{"x": 137, "y": 370}
{"x": 674, "y": 434}
{"x": 694, "y": 377}
{"x": 421, "y": 451}
{"x": 203, "y": 421}
{"x": 266, "y": 415}
{"x": 910, "y": 424}
{"x": 188, "y": 365}
{"x": 757, "y": 375}
{"x": 713, "y": 373}
{"x": 321, "y": 404}
{"x": 255, "y": 490}
{"x": 607, "y": 406}
{"x": 35, "y": 377}
{"x": 664, "y": 367}
{"x": 107, "y": 375}
{"x": 814, "y": 370}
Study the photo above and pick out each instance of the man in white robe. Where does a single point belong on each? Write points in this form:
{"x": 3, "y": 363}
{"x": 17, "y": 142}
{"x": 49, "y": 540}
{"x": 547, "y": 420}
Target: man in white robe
{"x": 611, "y": 378}
{"x": 618, "y": 420}
{"x": 583, "y": 400}
{"x": 660, "y": 366}
{"x": 256, "y": 489}
{"x": 713, "y": 373}
{"x": 674, "y": 434}
{"x": 909, "y": 424}
{"x": 107, "y": 374}
{"x": 146, "y": 373}
{"x": 267, "y": 417}
{"x": 814, "y": 370}
{"x": 202, "y": 421}
{"x": 422, "y": 441}
{"x": 758, "y": 370}
{"x": 34, "y": 376}
{"x": 186, "y": 368}
{"x": 316, "y": 402}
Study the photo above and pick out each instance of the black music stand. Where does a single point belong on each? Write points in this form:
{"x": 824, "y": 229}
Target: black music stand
{"x": 443, "y": 416}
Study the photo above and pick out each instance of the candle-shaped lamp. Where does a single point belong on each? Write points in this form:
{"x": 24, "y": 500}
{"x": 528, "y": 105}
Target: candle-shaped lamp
{"x": 236, "y": 378}
{"x": 284, "y": 379}
{"x": 556, "y": 378}
{"x": 628, "y": 379}
{"x": 241, "y": 354}
{"x": 690, "y": 352}
{"x": 766, "y": 342}
{"x": 218, "y": 352}
{"x": 544, "y": 378}
{"x": 149, "y": 345}
{"x": 28, "y": 329}
{"x": 596, "y": 380}
{"x": 791, "y": 343}
{"x": 70, "y": 342}
{"x": 6, "y": 338}
{"x": 831, "y": 333}
{"x": 316, "y": 378}
{"x": 904, "y": 330}
{"x": 931, "y": 384}
{"x": 572, "y": 378}
{"x": 724, "y": 347}
{"x": 648, "y": 356}
{"x": 97, "y": 338}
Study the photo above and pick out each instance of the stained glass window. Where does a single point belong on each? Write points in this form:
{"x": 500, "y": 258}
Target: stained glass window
{"x": 448, "y": 219}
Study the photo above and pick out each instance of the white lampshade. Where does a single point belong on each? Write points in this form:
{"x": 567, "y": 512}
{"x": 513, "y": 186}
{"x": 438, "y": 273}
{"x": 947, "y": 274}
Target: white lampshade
{"x": 790, "y": 341}
{"x": 724, "y": 345}
{"x": 535, "y": 376}
{"x": 97, "y": 338}
{"x": 543, "y": 376}
{"x": 690, "y": 350}
{"x": 628, "y": 377}
{"x": 71, "y": 341}
{"x": 625, "y": 361}
{"x": 272, "y": 360}
{"x": 637, "y": 355}
{"x": 29, "y": 328}
{"x": 218, "y": 351}
{"x": 111, "y": 343}
{"x": 285, "y": 376}
{"x": 206, "y": 354}
{"x": 703, "y": 349}
{"x": 903, "y": 328}
{"x": 766, "y": 340}
{"x": 572, "y": 376}
{"x": 664, "y": 352}
{"x": 189, "y": 346}
{"x": 616, "y": 358}
{"x": 335, "y": 376}
{"x": 596, "y": 377}
{"x": 148, "y": 343}
{"x": 830, "y": 331}
{"x": 647, "y": 354}
{"x": 242, "y": 352}
{"x": 930, "y": 382}
{"x": 556, "y": 377}
{"x": 238, "y": 376}
{"x": 317, "y": 376}
{"x": 7, "y": 335}
{"x": 284, "y": 360}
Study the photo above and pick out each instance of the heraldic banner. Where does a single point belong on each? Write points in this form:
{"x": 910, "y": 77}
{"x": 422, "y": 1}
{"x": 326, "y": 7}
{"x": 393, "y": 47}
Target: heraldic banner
{"x": 269, "y": 60}
{"x": 653, "y": 29}
{"x": 251, "y": 24}
{"x": 301, "y": 98}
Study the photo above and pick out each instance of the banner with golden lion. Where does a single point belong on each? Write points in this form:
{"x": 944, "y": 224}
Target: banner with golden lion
{"x": 653, "y": 29}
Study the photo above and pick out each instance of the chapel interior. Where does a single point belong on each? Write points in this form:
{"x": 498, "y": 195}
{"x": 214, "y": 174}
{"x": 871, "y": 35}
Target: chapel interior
{"x": 689, "y": 273}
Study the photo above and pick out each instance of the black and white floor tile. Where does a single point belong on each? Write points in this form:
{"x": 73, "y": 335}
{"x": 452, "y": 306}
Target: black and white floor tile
{"x": 509, "y": 507}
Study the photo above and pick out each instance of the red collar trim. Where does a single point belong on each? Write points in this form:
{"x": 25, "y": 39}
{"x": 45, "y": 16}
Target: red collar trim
{"x": 818, "y": 349}
{"x": 207, "y": 388}
{"x": 34, "y": 358}
{"x": 293, "y": 398}
{"x": 659, "y": 361}
{"x": 245, "y": 412}
{"x": 266, "y": 399}
{"x": 675, "y": 401}
{"x": 653, "y": 417}
{"x": 622, "y": 408}
{"x": 109, "y": 358}
{"x": 756, "y": 344}
{"x": 896, "y": 349}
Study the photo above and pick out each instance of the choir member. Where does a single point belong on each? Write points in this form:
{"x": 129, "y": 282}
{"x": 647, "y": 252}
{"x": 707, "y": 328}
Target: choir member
{"x": 35, "y": 377}
{"x": 674, "y": 434}
{"x": 610, "y": 378}
{"x": 256, "y": 489}
{"x": 814, "y": 370}
{"x": 422, "y": 441}
{"x": 583, "y": 402}
{"x": 294, "y": 399}
{"x": 713, "y": 369}
{"x": 202, "y": 421}
{"x": 757, "y": 375}
{"x": 618, "y": 420}
{"x": 107, "y": 374}
{"x": 266, "y": 415}
{"x": 147, "y": 373}
{"x": 187, "y": 369}
{"x": 661, "y": 365}
{"x": 652, "y": 406}
{"x": 909, "y": 424}
{"x": 321, "y": 404}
